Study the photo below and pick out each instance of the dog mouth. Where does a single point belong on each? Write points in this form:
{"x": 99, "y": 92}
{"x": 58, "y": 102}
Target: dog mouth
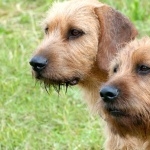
{"x": 67, "y": 82}
{"x": 73, "y": 81}
{"x": 57, "y": 84}
{"x": 116, "y": 112}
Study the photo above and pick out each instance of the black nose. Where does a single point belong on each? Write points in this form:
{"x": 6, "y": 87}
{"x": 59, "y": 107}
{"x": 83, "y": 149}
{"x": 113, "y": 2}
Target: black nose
{"x": 38, "y": 63}
{"x": 109, "y": 93}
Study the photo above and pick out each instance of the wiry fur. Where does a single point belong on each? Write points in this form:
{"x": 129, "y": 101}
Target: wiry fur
{"x": 83, "y": 60}
{"x": 130, "y": 130}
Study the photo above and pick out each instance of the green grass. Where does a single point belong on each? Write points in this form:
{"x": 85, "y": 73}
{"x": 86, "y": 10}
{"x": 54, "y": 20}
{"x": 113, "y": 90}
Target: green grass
{"x": 31, "y": 119}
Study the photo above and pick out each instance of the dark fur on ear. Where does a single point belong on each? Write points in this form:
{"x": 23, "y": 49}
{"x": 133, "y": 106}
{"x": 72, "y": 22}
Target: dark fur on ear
{"x": 116, "y": 31}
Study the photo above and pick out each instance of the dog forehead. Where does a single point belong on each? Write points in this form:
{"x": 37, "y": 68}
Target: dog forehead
{"x": 134, "y": 52}
{"x": 74, "y": 10}
{"x": 73, "y": 5}
{"x": 138, "y": 51}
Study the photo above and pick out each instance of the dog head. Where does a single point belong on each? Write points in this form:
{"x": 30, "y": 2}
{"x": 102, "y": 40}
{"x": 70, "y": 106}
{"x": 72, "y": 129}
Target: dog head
{"x": 79, "y": 36}
{"x": 125, "y": 102}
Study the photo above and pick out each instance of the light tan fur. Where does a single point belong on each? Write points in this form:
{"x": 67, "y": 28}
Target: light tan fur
{"x": 83, "y": 60}
{"x": 129, "y": 128}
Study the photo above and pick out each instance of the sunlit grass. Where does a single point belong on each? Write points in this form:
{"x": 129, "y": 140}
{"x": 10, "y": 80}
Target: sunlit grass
{"x": 30, "y": 118}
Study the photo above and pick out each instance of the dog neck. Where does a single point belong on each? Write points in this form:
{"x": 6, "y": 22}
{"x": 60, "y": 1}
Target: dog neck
{"x": 128, "y": 132}
{"x": 91, "y": 86}
{"x": 117, "y": 142}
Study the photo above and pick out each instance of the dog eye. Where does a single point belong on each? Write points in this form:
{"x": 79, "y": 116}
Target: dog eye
{"x": 46, "y": 30}
{"x": 115, "y": 69}
{"x": 142, "y": 69}
{"x": 74, "y": 33}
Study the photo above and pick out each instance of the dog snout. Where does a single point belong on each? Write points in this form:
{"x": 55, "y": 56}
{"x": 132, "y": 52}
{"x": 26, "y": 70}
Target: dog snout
{"x": 109, "y": 93}
{"x": 38, "y": 63}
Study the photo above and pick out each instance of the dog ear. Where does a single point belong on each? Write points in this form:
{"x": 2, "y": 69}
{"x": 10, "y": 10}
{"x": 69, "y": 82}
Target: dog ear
{"x": 116, "y": 31}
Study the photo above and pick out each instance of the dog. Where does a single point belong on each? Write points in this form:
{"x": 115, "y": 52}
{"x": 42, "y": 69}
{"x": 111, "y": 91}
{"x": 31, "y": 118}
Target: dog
{"x": 81, "y": 37}
{"x": 125, "y": 98}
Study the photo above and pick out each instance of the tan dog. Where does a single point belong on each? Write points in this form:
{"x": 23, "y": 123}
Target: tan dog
{"x": 81, "y": 37}
{"x": 126, "y": 99}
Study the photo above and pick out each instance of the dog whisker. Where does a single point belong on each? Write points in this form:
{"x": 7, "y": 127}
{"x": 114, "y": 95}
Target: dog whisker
{"x": 46, "y": 88}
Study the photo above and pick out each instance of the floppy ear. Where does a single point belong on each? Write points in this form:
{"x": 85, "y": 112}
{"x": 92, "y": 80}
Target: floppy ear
{"x": 116, "y": 31}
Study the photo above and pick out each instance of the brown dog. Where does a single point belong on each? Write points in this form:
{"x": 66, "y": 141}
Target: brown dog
{"x": 125, "y": 104}
{"x": 81, "y": 37}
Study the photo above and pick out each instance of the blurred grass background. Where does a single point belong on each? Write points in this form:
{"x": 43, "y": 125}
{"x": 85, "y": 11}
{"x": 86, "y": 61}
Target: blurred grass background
{"x": 31, "y": 119}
